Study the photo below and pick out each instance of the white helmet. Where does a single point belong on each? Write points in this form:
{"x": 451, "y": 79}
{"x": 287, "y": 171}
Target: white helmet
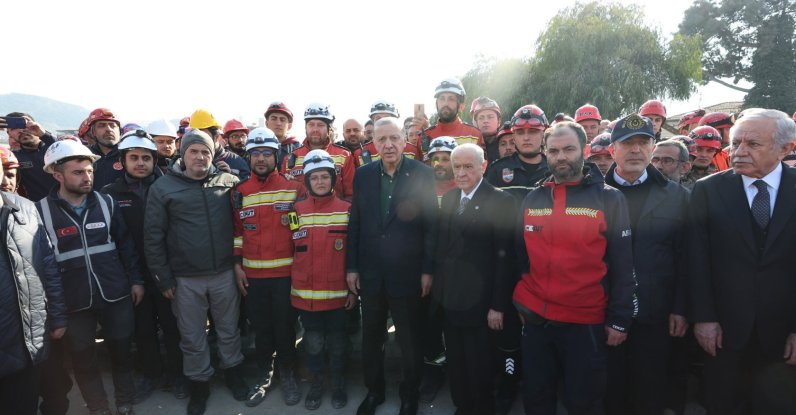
{"x": 440, "y": 144}
{"x": 318, "y": 111}
{"x": 452, "y": 85}
{"x": 162, "y": 127}
{"x": 383, "y": 107}
{"x": 317, "y": 159}
{"x": 137, "y": 139}
{"x": 262, "y": 137}
{"x": 60, "y": 151}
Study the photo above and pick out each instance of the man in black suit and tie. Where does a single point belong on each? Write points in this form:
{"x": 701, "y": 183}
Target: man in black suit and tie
{"x": 474, "y": 267}
{"x": 743, "y": 290}
{"x": 391, "y": 237}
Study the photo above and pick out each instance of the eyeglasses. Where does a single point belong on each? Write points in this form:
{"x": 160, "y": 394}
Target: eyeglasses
{"x": 666, "y": 161}
{"x": 527, "y": 119}
{"x": 238, "y": 136}
{"x": 268, "y": 152}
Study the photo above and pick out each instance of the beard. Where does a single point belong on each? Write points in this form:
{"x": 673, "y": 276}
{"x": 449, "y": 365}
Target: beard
{"x": 572, "y": 170}
{"x": 446, "y": 115}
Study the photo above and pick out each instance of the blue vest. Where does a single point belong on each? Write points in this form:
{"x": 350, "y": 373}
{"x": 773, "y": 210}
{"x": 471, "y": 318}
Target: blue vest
{"x": 85, "y": 250}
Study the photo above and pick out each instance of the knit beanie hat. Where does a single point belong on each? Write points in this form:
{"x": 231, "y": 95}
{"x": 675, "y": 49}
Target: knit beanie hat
{"x": 196, "y": 136}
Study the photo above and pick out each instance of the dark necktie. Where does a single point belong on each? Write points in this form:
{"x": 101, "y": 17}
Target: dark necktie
{"x": 761, "y": 204}
{"x": 462, "y": 205}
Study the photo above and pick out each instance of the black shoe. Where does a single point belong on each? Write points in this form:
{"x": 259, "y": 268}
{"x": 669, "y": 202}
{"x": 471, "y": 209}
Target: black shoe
{"x": 504, "y": 398}
{"x": 315, "y": 394}
{"x": 433, "y": 378}
{"x": 257, "y": 393}
{"x": 408, "y": 407}
{"x": 369, "y": 405}
{"x": 235, "y": 383}
{"x": 200, "y": 391}
{"x": 125, "y": 410}
{"x": 180, "y": 387}
{"x": 291, "y": 391}
{"x": 339, "y": 396}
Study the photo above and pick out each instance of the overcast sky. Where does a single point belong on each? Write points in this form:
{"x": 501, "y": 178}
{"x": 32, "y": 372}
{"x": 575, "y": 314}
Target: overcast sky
{"x": 150, "y": 59}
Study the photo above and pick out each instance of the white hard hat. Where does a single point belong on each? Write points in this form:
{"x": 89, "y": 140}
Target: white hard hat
{"x": 262, "y": 137}
{"x": 383, "y": 107}
{"x": 317, "y": 159}
{"x": 137, "y": 139}
{"x": 162, "y": 127}
{"x": 441, "y": 144}
{"x": 59, "y": 151}
{"x": 452, "y": 85}
{"x": 318, "y": 110}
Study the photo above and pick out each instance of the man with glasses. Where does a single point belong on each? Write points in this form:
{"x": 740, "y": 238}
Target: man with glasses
{"x": 264, "y": 253}
{"x": 657, "y": 209}
{"x": 450, "y": 100}
{"x": 235, "y": 133}
{"x": 599, "y": 153}
{"x": 671, "y": 159}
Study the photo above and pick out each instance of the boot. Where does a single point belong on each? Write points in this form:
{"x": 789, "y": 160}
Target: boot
{"x": 257, "y": 393}
{"x": 290, "y": 388}
{"x": 200, "y": 391}
{"x": 235, "y": 382}
{"x": 339, "y": 396}
{"x": 315, "y": 395}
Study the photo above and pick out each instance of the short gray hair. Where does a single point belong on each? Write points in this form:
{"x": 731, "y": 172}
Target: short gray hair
{"x": 388, "y": 121}
{"x": 784, "y": 126}
{"x": 472, "y": 148}
{"x": 682, "y": 149}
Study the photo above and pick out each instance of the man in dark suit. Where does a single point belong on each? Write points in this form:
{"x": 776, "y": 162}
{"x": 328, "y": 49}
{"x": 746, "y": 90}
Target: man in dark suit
{"x": 473, "y": 277}
{"x": 391, "y": 238}
{"x": 743, "y": 278}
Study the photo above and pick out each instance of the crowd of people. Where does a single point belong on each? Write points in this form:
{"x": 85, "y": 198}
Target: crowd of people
{"x": 576, "y": 262}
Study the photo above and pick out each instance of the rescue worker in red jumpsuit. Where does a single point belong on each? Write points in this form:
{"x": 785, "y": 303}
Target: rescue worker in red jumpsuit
{"x": 319, "y": 291}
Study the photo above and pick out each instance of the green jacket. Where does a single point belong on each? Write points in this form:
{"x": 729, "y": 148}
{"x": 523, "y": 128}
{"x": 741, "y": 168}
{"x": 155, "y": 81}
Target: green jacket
{"x": 188, "y": 226}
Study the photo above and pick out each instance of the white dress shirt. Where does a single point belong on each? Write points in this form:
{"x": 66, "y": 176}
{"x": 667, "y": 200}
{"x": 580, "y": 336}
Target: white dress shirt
{"x": 772, "y": 181}
{"x": 622, "y": 182}
{"x": 472, "y": 192}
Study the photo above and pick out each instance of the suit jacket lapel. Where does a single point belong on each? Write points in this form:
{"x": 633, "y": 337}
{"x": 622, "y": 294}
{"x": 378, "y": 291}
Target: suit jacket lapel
{"x": 460, "y": 222}
{"x": 784, "y": 206}
{"x": 735, "y": 203}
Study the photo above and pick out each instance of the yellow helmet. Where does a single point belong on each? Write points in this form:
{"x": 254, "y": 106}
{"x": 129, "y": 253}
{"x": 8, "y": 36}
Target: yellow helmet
{"x": 202, "y": 118}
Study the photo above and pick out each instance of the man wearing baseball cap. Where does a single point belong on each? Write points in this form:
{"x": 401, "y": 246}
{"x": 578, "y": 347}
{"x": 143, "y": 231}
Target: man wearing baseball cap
{"x": 657, "y": 210}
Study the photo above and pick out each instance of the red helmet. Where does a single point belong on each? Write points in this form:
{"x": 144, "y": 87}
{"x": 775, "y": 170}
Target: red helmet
{"x": 529, "y": 116}
{"x": 279, "y": 107}
{"x": 652, "y": 107}
{"x": 718, "y": 120}
{"x": 101, "y": 114}
{"x": 234, "y": 125}
{"x": 689, "y": 143}
{"x": 601, "y": 144}
{"x": 706, "y": 136}
{"x": 83, "y": 130}
{"x": 504, "y": 129}
{"x": 690, "y": 118}
{"x": 484, "y": 103}
{"x": 587, "y": 112}
{"x": 8, "y": 158}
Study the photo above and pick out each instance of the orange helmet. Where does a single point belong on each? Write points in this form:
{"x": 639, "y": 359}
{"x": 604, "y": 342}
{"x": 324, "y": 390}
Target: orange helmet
{"x": 652, "y": 107}
{"x": 690, "y": 118}
{"x": 718, "y": 120}
{"x": 529, "y": 116}
{"x": 706, "y": 136}
{"x": 8, "y": 159}
{"x": 587, "y": 112}
{"x": 83, "y": 130}
{"x": 234, "y": 125}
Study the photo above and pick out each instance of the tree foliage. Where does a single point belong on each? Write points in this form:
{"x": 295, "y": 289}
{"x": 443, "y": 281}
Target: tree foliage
{"x": 601, "y": 53}
{"x": 751, "y": 40}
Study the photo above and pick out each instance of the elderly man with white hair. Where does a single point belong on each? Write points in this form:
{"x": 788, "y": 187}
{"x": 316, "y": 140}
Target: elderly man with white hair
{"x": 474, "y": 269}
{"x": 743, "y": 285}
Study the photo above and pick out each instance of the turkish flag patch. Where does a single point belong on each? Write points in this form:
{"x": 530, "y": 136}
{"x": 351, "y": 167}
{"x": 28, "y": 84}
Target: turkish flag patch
{"x": 117, "y": 165}
{"x": 66, "y": 231}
